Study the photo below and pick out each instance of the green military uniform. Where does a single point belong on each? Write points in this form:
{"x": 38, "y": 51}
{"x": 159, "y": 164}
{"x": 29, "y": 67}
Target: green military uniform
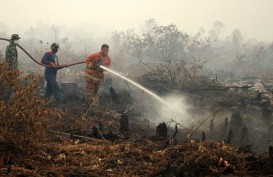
{"x": 12, "y": 56}
{"x": 1, "y": 56}
{"x": 11, "y": 52}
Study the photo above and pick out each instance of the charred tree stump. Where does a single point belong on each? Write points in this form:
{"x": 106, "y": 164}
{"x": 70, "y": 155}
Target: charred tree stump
{"x": 270, "y": 163}
{"x": 271, "y": 152}
{"x": 114, "y": 96}
{"x": 124, "y": 124}
{"x": 95, "y": 132}
{"x": 236, "y": 124}
{"x": 230, "y": 136}
{"x": 267, "y": 113}
{"x": 225, "y": 130}
{"x": 161, "y": 130}
{"x": 175, "y": 132}
{"x": 226, "y": 124}
{"x": 270, "y": 132}
{"x": 107, "y": 83}
{"x": 101, "y": 128}
{"x": 244, "y": 137}
{"x": 203, "y": 136}
{"x": 173, "y": 140}
{"x": 211, "y": 128}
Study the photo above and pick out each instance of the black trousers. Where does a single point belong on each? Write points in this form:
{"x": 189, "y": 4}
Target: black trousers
{"x": 52, "y": 87}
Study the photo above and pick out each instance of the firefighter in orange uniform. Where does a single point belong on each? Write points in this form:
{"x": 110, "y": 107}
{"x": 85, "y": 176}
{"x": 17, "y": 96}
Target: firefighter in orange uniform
{"x": 93, "y": 73}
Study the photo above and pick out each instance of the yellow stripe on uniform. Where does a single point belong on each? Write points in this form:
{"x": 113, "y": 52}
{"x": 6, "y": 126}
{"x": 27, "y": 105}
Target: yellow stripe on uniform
{"x": 91, "y": 77}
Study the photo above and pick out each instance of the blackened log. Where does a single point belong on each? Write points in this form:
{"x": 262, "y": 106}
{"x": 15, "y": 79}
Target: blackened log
{"x": 113, "y": 94}
{"x": 203, "y": 136}
{"x": 95, "y": 132}
{"x": 124, "y": 123}
{"x": 244, "y": 136}
{"x": 161, "y": 130}
{"x": 230, "y": 136}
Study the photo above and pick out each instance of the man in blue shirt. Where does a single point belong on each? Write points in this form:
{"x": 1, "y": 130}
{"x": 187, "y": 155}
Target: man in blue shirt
{"x": 50, "y": 58}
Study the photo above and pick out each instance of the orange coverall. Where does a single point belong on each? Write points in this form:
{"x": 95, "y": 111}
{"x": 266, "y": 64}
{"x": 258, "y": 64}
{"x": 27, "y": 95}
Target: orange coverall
{"x": 93, "y": 76}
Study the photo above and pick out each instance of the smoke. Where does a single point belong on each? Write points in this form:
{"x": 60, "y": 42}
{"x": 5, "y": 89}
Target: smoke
{"x": 155, "y": 111}
{"x": 171, "y": 107}
{"x": 176, "y": 111}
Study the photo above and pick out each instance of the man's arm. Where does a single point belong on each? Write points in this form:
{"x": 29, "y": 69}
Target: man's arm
{"x": 107, "y": 62}
{"x": 46, "y": 60}
{"x": 89, "y": 60}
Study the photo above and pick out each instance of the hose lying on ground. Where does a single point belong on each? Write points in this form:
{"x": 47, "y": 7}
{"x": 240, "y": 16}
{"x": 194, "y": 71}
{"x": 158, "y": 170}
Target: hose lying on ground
{"x": 39, "y": 63}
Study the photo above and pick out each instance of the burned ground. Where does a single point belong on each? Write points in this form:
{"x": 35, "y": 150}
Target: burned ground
{"x": 72, "y": 148}
{"x": 110, "y": 138}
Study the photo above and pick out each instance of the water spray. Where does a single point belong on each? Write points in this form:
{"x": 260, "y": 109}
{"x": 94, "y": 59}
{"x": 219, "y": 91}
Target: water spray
{"x": 139, "y": 86}
{"x": 136, "y": 84}
{"x": 144, "y": 89}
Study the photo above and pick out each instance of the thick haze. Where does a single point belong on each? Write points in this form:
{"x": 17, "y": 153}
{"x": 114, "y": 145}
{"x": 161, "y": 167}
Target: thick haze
{"x": 251, "y": 17}
{"x": 163, "y": 45}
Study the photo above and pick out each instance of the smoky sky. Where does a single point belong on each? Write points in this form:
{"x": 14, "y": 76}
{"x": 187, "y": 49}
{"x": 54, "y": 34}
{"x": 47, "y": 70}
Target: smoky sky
{"x": 252, "y": 17}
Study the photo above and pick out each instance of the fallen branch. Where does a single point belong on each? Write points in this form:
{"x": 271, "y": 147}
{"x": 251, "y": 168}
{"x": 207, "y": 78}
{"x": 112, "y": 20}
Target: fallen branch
{"x": 77, "y": 136}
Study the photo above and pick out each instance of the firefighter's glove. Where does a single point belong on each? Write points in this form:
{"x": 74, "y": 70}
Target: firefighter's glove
{"x": 95, "y": 66}
{"x": 100, "y": 69}
{"x": 90, "y": 65}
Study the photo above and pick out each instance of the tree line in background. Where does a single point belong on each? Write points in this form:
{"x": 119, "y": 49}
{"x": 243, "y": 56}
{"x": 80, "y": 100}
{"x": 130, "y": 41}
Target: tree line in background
{"x": 163, "y": 52}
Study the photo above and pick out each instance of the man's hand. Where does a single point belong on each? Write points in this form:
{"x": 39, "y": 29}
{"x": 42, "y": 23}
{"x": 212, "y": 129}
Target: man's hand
{"x": 90, "y": 65}
{"x": 62, "y": 66}
{"x": 52, "y": 64}
{"x": 96, "y": 66}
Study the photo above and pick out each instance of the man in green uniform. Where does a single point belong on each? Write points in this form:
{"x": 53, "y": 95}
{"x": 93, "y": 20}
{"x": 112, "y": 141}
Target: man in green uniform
{"x": 11, "y": 52}
{"x": 11, "y": 58}
{"x": 1, "y": 56}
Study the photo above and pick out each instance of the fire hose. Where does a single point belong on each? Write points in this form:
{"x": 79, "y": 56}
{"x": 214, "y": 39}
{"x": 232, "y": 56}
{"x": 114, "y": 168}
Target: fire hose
{"x": 39, "y": 63}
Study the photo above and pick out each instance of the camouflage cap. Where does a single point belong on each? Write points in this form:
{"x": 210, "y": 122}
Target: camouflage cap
{"x": 15, "y": 36}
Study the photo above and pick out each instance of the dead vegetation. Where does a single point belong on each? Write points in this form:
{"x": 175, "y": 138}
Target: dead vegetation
{"x": 21, "y": 111}
{"x": 76, "y": 140}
